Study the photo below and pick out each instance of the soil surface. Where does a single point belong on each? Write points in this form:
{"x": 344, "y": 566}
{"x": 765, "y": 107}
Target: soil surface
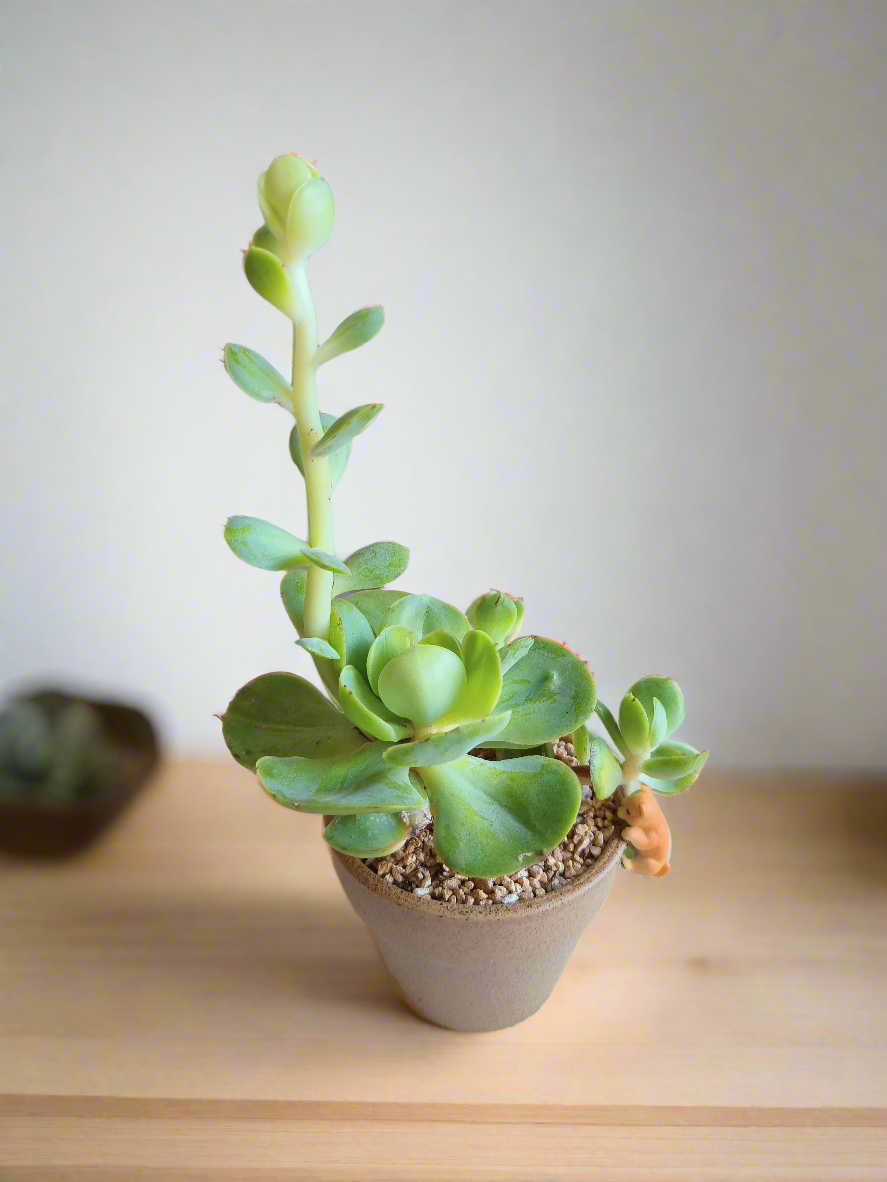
{"x": 416, "y": 868}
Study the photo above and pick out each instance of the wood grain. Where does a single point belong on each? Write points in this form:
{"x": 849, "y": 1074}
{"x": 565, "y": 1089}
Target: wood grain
{"x": 194, "y": 999}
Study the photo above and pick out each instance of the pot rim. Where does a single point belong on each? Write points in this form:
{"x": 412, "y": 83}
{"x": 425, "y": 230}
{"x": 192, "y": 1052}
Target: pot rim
{"x": 434, "y": 908}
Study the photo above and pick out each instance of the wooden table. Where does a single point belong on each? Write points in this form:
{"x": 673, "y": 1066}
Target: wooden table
{"x": 195, "y": 1000}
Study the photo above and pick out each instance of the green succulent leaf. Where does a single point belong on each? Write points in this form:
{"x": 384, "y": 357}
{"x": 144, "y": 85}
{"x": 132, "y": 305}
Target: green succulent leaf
{"x": 483, "y": 683}
{"x": 350, "y": 635}
{"x": 318, "y": 648}
{"x": 671, "y": 761}
{"x": 324, "y": 561}
{"x": 513, "y": 652}
{"x": 367, "y": 835}
{"x": 612, "y": 728}
{"x": 375, "y": 604}
{"x": 673, "y": 787}
{"x": 604, "y": 769}
{"x": 357, "y": 783}
{"x": 390, "y": 642}
{"x": 549, "y": 694}
{"x": 282, "y": 714}
{"x": 634, "y": 723}
{"x": 257, "y": 377}
{"x": 669, "y": 694}
{"x": 492, "y": 818}
{"x": 494, "y": 613}
{"x": 658, "y": 724}
{"x": 581, "y": 743}
{"x": 266, "y": 546}
{"x": 447, "y": 746}
{"x": 519, "y": 604}
{"x": 367, "y": 711}
{"x": 423, "y": 614}
{"x": 352, "y": 423}
{"x": 355, "y": 330}
{"x": 292, "y": 593}
{"x": 267, "y": 277}
{"x": 422, "y": 683}
{"x": 373, "y": 566}
{"x": 443, "y": 640}
{"x": 309, "y": 219}
{"x": 338, "y": 461}
{"x": 265, "y": 239}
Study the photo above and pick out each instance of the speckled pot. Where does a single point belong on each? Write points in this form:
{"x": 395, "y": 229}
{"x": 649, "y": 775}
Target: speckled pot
{"x": 476, "y": 968}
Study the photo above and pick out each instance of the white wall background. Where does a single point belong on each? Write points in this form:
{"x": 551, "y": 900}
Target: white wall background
{"x": 634, "y": 267}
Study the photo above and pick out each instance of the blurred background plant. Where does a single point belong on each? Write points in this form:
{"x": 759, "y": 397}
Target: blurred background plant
{"x": 57, "y": 747}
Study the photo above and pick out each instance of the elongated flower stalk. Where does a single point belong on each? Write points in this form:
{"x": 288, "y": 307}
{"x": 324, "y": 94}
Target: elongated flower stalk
{"x": 414, "y": 685}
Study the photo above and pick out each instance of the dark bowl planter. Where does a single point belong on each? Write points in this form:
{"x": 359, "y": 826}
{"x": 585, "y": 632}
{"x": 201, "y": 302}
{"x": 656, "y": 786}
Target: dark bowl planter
{"x": 42, "y": 827}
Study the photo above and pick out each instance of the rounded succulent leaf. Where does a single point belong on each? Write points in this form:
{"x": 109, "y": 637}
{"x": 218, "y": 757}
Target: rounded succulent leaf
{"x": 367, "y": 711}
{"x": 549, "y": 693}
{"x": 337, "y": 461}
{"x": 367, "y": 835}
{"x": 267, "y": 277}
{"x": 443, "y": 640}
{"x": 373, "y": 566}
{"x": 361, "y": 782}
{"x": 261, "y": 544}
{"x": 672, "y": 760}
{"x": 355, "y": 330}
{"x": 605, "y": 771}
{"x": 673, "y": 787}
{"x": 350, "y": 635}
{"x": 292, "y": 594}
{"x": 581, "y": 743}
{"x": 422, "y": 683}
{"x": 492, "y": 818}
{"x": 374, "y": 604}
{"x": 612, "y": 727}
{"x": 257, "y": 377}
{"x": 309, "y": 220}
{"x": 318, "y": 648}
{"x": 634, "y": 724}
{"x": 447, "y": 746}
{"x": 669, "y": 694}
{"x": 514, "y": 651}
{"x": 658, "y": 724}
{"x": 276, "y": 186}
{"x": 391, "y": 642}
{"x": 346, "y": 428}
{"x": 283, "y": 714}
{"x": 423, "y": 614}
{"x": 483, "y": 680}
{"x": 494, "y": 613}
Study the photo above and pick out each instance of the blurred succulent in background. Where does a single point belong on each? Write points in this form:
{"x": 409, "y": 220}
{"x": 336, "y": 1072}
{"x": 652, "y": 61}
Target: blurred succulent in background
{"x": 651, "y": 710}
{"x": 55, "y": 749}
{"x": 415, "y": 685}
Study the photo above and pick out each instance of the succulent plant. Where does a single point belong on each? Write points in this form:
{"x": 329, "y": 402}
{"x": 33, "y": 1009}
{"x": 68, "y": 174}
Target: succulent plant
{"x": 648, "y": 714}
{"x": 55, "y": 747}
{"x": 414, "y": 684}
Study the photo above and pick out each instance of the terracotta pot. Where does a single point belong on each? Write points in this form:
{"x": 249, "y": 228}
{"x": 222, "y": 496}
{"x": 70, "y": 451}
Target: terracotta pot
{"x": 39, "y": 826}
{"x": 476, "y": 968}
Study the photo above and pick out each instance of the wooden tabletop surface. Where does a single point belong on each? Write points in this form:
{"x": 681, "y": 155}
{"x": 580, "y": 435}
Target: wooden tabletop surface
{"x": 194, "y": 999}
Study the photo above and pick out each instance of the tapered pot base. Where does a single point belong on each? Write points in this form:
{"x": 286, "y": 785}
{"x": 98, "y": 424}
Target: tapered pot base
{"x": 476, "y": 968}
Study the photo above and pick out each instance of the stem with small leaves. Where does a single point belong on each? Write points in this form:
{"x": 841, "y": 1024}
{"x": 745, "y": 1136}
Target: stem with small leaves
{"x": 318, "y": 486}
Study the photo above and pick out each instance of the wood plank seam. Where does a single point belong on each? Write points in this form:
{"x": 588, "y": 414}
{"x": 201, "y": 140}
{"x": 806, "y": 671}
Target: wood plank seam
{"x": 338, "y": 1111}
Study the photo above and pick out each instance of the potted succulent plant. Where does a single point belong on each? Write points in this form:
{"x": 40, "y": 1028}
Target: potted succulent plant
{"x": 473, "y": 819}
{"x": 68, "y": 766}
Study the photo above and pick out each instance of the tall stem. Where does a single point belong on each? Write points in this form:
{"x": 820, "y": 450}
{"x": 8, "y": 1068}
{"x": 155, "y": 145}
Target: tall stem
{"x": 318, "y": 488}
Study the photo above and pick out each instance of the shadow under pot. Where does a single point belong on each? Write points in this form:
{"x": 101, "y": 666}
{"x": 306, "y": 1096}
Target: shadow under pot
{"x": 476, "y": 968}
{"x": 35, "y": 822}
